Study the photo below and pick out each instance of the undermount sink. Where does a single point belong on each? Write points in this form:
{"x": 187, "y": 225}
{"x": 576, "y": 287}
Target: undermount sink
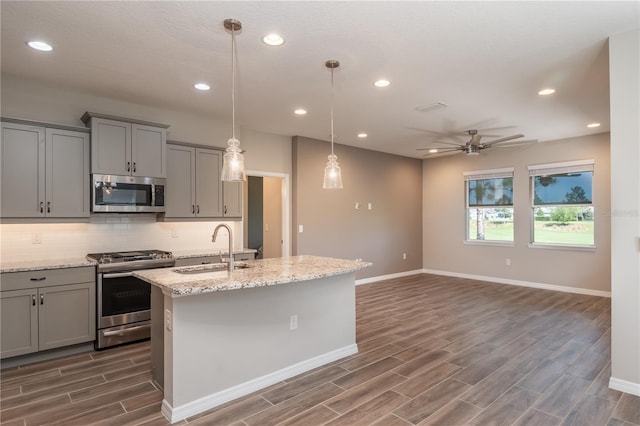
{"x": 212, "y": 267}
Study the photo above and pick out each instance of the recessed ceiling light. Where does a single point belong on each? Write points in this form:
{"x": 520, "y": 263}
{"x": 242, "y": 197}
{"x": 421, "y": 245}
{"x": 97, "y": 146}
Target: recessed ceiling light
{"x": 545, "y": 92}
{"x": 273, "y": 40}
{"x": 40, "y": 45}
{"x": 202, "y": 86}
{"x": 300, "y": 111}
{"x": 593, "y": 125}
{"x": 362, "y": 135}
{"x": 433, "y": 151}
{"x": 382, "y": 83}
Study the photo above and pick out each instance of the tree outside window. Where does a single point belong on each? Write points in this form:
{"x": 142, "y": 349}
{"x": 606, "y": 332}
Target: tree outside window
{"x": 490, "y": 205}
{"x": 562, "y": 204}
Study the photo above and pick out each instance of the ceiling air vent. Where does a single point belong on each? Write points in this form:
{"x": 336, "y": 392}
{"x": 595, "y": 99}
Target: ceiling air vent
{"x": 432, "y": 107}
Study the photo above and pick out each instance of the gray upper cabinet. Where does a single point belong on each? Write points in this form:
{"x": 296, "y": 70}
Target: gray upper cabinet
{"x": 127, "y": 147}
{"x": 193, "y": 187}
{"x": 208, "y": 184}
{"x": 45, "y": 172}
{"x": 232, "y": 199}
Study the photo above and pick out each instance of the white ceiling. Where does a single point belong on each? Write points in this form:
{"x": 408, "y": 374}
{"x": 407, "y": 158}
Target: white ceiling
{"x": 485, "y": 60}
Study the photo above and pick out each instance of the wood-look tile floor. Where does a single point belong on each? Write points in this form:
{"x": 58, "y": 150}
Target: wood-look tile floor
{"x": 432, "y": 351}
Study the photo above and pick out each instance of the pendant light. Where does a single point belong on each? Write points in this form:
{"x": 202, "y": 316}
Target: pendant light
{"x": 233, "y": 160}
{"x": 332, "y": 173}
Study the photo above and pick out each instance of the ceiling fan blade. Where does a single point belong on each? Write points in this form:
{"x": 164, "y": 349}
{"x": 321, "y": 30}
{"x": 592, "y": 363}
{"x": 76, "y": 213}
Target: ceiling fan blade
{"x": 448, "y": 143}
{"x": 505, "y": 139}
{"x": 475, "y": 139}
{"x": 440, "y": 149}
{"x": 516, "y": 143}
{"x": 441, "y": 154}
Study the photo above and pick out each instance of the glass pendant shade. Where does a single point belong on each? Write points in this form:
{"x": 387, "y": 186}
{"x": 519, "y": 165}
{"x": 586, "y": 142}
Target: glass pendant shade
{"x": 233, "y": 162}
{"x": 332, "y": 174}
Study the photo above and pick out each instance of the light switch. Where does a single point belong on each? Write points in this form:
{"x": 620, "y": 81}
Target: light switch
{"x": 370, "y": 206}
{"x": 300, "y": 228}
{"x": 357, "y": 206}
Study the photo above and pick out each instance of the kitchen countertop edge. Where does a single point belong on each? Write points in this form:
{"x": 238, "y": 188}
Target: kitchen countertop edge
{"x": 263, "y": 273}
{"x": 39, "y": 265}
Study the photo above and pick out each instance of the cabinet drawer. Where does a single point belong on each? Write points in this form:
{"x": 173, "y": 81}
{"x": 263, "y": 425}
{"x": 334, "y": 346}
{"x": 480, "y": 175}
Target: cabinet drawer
{"x": 244, "y": 256}
{"x": 202, "y": 260}
{"x": 46, "y": 278}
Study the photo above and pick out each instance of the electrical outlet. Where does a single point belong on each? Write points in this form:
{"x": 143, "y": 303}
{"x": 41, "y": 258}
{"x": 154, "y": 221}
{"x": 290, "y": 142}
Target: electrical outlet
{"x": 36, "y": 238}
{"x": 174, "y": 233}
{"x": 167, "y": 319}
{"x": 507, "y": 261}
{"x": 357, "y": 206}
{"x": 370, "y": 206}
{"x": 404, "y": 256}
{"x": 300, "y": 228}
{"x": 293, "y": 322}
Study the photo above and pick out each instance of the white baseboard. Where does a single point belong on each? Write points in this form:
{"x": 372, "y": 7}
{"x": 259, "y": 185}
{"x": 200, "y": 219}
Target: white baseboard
{"x": 388, "y": 277}
{"x": 543, "y": 286}
{"x": 175, "y": 414}
{"x": 624, "y": 386}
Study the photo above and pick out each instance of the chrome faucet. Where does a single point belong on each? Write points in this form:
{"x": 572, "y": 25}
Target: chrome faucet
{"x": 213, "y": 239}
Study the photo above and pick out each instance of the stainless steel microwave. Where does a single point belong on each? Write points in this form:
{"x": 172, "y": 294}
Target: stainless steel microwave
{"x": 127, "y": 194}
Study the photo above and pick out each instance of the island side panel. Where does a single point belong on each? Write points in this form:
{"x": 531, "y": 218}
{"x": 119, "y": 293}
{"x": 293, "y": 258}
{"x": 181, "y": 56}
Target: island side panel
{"x": 157, "y": 336}
{"x": 224, "y": 339}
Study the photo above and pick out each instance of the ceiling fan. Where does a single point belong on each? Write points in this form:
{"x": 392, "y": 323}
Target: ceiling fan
{"x": 473, "y": 147}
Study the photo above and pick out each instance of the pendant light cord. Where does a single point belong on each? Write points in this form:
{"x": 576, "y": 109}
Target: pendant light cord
{"x": 233, "y": 82}
{"x": 331, "y": 111}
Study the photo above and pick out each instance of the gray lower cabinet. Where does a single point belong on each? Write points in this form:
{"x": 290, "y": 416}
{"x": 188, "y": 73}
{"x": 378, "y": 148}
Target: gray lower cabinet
{"x": 51, "y": 315}
{"x": 193, "y": 186}
{"x": 44, "y": 172}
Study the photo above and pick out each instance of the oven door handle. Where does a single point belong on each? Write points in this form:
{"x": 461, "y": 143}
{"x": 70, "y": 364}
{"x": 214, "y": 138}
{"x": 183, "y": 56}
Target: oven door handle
{"x": 124, "y": 331}
{"x": 118, "y": 275}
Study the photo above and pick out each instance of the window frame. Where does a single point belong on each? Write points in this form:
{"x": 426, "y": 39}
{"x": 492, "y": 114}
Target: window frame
{"x": 507, "y": 172}
{"x": 555, "y": 169}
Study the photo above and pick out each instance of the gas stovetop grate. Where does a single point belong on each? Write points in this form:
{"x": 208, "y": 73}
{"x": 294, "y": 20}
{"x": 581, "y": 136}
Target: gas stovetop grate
{"x": 130, "y": 260}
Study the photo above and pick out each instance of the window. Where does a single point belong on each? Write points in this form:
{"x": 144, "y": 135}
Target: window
{"x": 562, "y": 203}
{"x": 489, "y": 209}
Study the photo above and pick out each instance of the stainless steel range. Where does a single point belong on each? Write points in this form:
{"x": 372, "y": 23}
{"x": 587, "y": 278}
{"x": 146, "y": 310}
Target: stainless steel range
{"x": 124, "y": 301}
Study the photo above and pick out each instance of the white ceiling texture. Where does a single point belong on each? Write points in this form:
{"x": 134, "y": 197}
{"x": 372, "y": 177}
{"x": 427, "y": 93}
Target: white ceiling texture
{"x": 486, "y": 61}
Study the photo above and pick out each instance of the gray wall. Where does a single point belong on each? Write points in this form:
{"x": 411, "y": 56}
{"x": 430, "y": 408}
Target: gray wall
{"x": 624, "y": 54}
{"x": 444, "y": 218}
{"x": 332, "y": 225}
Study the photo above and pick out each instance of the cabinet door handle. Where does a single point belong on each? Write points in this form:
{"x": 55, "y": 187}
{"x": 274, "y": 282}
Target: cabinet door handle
{"x": 38, "y": 279}
{"x": 198, "y": 209}
{"x": 134, "y": 167}
{"x": 225, "y": 209}
{"x": 42, "y": 299}
{"x": 33, "y": 300}
{"x": 41, "y": 207}
{"x": 193, "y": 209}
{"x": 48, "y": 206}
{"x": 128, "y": 166}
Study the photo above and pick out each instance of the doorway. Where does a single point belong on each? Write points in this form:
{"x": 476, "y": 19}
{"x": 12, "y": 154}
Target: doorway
{"x": 266, "y": 228}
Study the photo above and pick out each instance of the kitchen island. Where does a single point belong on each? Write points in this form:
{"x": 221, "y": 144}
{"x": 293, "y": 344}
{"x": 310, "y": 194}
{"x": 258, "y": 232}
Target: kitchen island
{"x": 219, "y": 335}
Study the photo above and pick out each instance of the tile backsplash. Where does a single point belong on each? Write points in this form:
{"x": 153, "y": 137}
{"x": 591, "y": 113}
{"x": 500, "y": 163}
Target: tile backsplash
{"x": 105, "y": 233}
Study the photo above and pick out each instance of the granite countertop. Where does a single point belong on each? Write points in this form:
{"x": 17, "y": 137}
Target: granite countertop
{"x": 262, "y": 272}
{"x": 186, "y": 254}
{"x": 40, "y": 264}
